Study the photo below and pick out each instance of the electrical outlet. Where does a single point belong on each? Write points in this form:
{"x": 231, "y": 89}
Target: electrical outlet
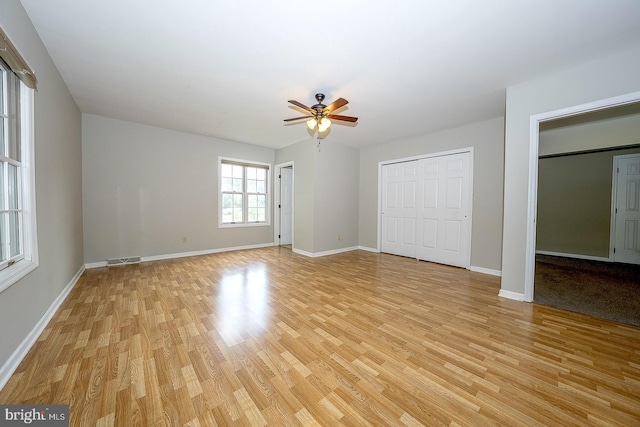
{"x": 339, "y": 236}
{"x": 184, "y": 239}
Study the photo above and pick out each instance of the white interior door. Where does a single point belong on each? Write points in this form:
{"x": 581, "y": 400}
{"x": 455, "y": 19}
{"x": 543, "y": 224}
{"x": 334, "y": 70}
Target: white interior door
{"x": 286, "y": 206}
{"x": 399, "y": 191}
{"x": 444, "y": 209}
{"x": 627, "y": 209}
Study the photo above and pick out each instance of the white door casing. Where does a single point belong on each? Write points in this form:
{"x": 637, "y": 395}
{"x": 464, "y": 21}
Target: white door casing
{"x": 399, "y": 212}
{"x": 532, "y": 185}
{"x": 286, "y": 206}
{"x": 626, "y": 209}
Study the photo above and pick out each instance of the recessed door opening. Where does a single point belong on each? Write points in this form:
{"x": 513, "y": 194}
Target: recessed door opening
{"x": 595, "y": 248}
{"x": 284, "y": 229}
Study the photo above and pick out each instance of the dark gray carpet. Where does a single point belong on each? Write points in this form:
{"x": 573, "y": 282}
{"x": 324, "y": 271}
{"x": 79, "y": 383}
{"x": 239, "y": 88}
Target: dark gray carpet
{"x": 599, "y": 289}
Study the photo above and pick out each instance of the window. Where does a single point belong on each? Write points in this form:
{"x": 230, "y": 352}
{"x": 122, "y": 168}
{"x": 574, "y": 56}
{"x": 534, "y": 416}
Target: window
{"x": 18, "y": 254}
{"x": 244, "y": 195}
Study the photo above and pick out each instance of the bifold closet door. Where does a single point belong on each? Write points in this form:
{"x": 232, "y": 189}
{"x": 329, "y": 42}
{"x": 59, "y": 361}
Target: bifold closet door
{"x": 399, "y": 208}
{"x": 426, "y": 209}
{"x": 443, "y": 210}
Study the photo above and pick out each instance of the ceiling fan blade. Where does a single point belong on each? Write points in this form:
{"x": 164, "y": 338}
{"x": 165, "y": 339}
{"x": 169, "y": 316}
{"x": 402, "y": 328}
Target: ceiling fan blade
{"x": 340, "y": 102}
{"x": 297, "y": 118}
{"x": 343, "y": 118}
{"x": 298, "y": 104}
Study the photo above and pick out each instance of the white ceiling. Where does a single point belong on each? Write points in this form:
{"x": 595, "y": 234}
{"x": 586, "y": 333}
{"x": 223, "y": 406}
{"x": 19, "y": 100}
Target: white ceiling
{"x": 227, "y": 68}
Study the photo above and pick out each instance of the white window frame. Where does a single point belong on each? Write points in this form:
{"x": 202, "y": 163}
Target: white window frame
{"x": 245, "y": 222}
{"x": 28, "y": 260}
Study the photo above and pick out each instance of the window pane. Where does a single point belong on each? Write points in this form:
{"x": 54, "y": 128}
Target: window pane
{"x": 226, "y": 170}
{"x": 3, "y": 165}
{"x": 3, "y": 75}
{"x": 238, "y": 171}
{"x": 237, "y": 184}
{"x": 261, "y": 187}
{"x": 3, "y": 135}
{"x": 12, "y": 187}
{"x": 261, "y": 174}
{"x": 227, "y": 184}
{"x": 14, "y": 224}
{"x": 251, "y": 173}
{"x": 3, "y": 238}
{"x": 3, "y": 113}
{"x": 237, "y": 208}
{"x": 256, "y": 208}
{"x": 237, "y": 201}
{"x": 231, "y": 208}
{"x": 227, "y": 208}
{"x": 251, "y": 186}
{"x": 14, "y": 118}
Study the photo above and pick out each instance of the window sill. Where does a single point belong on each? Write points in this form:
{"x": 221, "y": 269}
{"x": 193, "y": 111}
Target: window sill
{"x": 249, "y": 224}
{"x": 17, "y": 271}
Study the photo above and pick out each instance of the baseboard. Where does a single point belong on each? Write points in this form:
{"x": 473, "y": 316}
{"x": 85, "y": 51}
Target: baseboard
{"x": 185, "y": 254}
{"x": 19, "y": 354}
{"x": 365, "y": 248}
{"x": 576, "y": 256}
{"x": 511, "y": 295}
{"x": 325, "y": 253}
{"x": 486, "y": 271}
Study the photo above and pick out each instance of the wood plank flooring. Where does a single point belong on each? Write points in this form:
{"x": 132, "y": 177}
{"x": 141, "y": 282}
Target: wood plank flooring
{"x": 270, "y": 337}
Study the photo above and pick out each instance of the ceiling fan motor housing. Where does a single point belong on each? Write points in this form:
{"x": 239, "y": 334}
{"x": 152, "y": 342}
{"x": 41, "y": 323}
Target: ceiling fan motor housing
{"x": 319, "y": 106}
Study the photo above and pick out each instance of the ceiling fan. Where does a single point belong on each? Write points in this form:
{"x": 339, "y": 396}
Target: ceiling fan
{"x": 321, "y": 115}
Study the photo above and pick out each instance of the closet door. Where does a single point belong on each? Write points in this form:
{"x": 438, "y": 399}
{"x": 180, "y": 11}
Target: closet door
{"x": 399, "y": 208}
{"x": 444, "y": 210}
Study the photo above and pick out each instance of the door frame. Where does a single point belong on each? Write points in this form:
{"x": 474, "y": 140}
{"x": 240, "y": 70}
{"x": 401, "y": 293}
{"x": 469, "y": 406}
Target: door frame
{"x": 532, "y": 185}
{"x": 426, "y": 156}
{"x": 614, "y": 202}
{"x": 277, "y": 223}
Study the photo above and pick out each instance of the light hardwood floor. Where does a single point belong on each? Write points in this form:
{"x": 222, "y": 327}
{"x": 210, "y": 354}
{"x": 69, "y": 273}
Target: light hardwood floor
{"x": 270, "y": 337}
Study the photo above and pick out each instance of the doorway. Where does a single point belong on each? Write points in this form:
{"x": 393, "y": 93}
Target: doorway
{"x": 284, "y": 205}
{"x": 535, "y": 122}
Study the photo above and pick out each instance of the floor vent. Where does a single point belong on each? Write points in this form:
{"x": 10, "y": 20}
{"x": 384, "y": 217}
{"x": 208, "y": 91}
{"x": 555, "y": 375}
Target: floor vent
{"x": 120, "y": 261}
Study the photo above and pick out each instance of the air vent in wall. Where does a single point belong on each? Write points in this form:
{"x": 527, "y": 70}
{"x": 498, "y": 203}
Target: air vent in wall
{"x": 119, "y": 261}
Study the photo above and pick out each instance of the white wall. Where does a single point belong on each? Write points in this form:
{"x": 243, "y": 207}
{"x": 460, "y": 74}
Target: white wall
{"x": 145, "y": 188}
{"x": 591, "y": 131}
{"x": 598, "y": 80}
{"x": 301, "y": 154}
{"x": 326, "y": 195}
{"x": 336, "y": 196}
{"x": 487, "y": 139}
{"x": 58, "y": 190}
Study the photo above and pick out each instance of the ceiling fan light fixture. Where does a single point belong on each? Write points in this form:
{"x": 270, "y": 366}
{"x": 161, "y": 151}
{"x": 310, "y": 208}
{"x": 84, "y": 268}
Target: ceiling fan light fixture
{"x": 311, "y": 124}
{"x": 318, "y": 115}
{"x": 324, "y": 124}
